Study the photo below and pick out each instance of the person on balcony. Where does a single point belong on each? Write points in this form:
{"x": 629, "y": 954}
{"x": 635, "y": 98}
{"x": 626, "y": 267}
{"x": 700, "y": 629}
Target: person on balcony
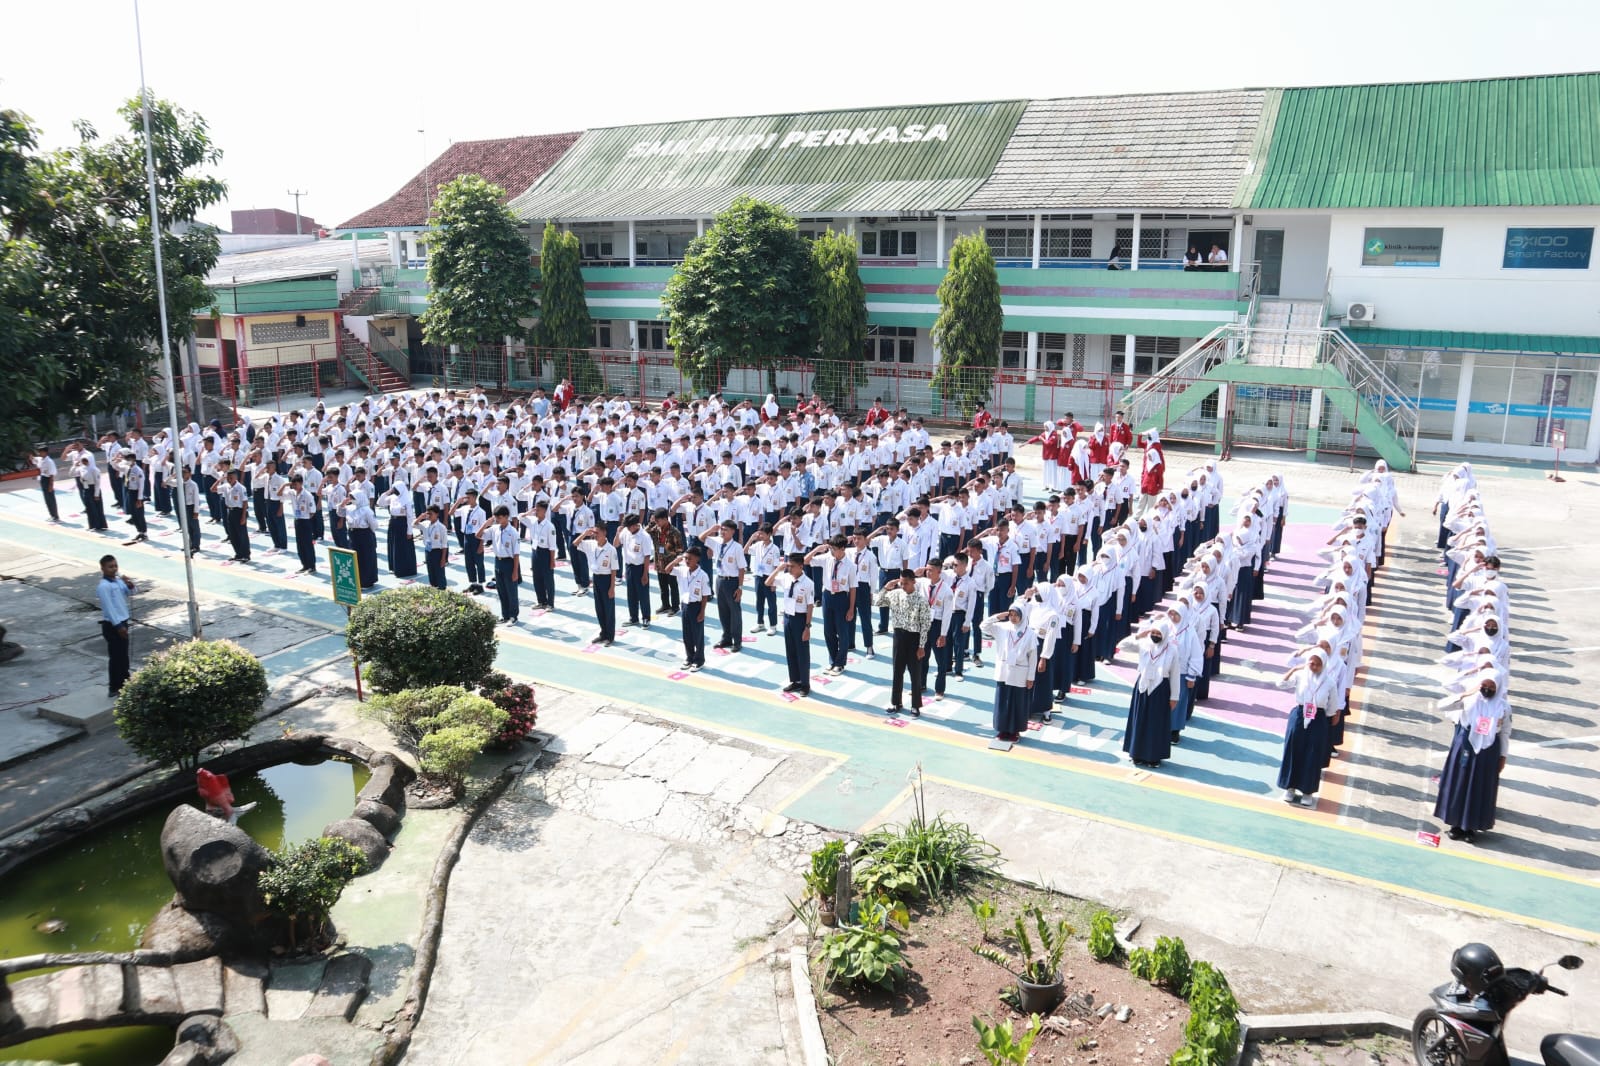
{"x": 1218, "y": 256}
{"x": 1191, "y": 258}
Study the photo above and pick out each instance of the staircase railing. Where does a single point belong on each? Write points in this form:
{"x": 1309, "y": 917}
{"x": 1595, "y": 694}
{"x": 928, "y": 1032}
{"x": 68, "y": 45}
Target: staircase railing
{"x": 394, "y": 357}
{"x": 1393, "y": 407}
{"x": 1155, "y": 391}
{"x": 365, "y": 305}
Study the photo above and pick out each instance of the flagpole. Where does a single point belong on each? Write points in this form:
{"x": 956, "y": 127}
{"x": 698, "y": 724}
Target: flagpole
{"x": 174, "y": 446}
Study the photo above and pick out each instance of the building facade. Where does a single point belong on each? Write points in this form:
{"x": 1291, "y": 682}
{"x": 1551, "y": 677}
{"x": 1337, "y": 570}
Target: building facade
{"x": 1459, "y": 265}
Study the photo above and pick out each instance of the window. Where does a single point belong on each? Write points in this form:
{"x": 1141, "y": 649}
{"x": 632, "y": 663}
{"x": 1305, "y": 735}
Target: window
{"x": 598, "y": 248}
{"x": 1011, "y": 243}
{"x": 891, "y": 344}
{"x": 1154, "y": 243}
{"x": 1053, "y": 351}
{"x": 1151, "y": 355}
{"x": 602, "y": 335}
{"x": 887, "y": 243}
{"x": 652, "y": 336}
{"x": 1075, "y": 243}
{"x": 1013, "y": 349}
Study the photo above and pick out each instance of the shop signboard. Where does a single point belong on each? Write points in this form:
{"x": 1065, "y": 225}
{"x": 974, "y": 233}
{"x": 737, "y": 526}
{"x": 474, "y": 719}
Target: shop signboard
{"x": 1548, "y": 247}
{"x": 1400, "y": 246}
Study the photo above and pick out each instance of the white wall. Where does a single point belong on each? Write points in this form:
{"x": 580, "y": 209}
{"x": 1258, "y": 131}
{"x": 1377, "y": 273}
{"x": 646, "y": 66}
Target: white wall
{"x": 1305, "y": 252}
{"x": 1469, "y": 290}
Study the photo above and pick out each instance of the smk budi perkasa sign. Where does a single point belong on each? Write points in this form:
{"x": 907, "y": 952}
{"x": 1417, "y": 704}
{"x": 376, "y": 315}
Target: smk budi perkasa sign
{"x": 913, "y": 133}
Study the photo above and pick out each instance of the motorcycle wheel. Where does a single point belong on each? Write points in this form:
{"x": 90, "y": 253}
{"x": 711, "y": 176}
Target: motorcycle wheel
{"x": 1435, "y": 1042}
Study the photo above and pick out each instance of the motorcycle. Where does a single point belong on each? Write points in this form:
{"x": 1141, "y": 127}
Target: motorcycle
{"x": 1466, "y": 1024}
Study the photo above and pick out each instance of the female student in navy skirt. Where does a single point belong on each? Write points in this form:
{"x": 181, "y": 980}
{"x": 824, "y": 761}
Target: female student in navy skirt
{"x": 1307, "y": 741}
{"x": 1470, "y": 784}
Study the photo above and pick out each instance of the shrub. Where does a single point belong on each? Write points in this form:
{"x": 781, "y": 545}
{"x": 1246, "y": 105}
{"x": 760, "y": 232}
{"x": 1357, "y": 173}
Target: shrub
{"x": 403, "y": 713}
{"x": 1000, "y": 1045}
{"x": 517, "y": 700}
{"x": 305, "y": 881}
{"x": 922, "y": 859}
{"x": 1211, "y": 1035}
{"x": 1103, "y": 936}
{"x": 419, "y": 636}
{"x": 822, "y": 879}
{"x": 456, "y": 736}
{"x": 1167, "y": 964}
{"x": 867, "y": 953}
{"x": 189, "y": 697}
{"x": 983, "y": 910}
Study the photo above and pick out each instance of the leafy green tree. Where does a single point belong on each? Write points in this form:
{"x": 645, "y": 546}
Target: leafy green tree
{"x": 79, "y": 320}
{"x": 480, "y": 270}
{"x": 305, "y": 881}
{"x": 967, "y": 331}
{"x": 839, "y": 309}
{"x": 565, "y": 328}
{"x": 742, "y": 297}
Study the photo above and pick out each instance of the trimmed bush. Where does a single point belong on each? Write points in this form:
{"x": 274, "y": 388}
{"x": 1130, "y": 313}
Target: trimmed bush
{"x": 404, "y": 712}
{"x": 419, "y": 636}
{"x": 519, "y": 703}
{"x": 305, "y": 881}
{"x": 188, "y": 698}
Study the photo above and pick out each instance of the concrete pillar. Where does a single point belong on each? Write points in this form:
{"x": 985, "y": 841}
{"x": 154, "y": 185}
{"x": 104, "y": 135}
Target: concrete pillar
{"x": 1127, "y": 364}
{"x": 1458, "y": 428}
{"x": 394, "y": 247}
{"x": 1038, "y": 237}
{"x": 1314, "y": 426}
{"x": 1133, "y": 253}
{"x": 850, "y": 227}
{"x": 938, "y": 241}
{"x": 632, "y": 257}
{"x": 1223, "y": 395}
{"x": 699, "y": 227}
{"x": 1032, "y": 365}
{"x": 633, "y": 339}
{"x": 1236, "y": 253}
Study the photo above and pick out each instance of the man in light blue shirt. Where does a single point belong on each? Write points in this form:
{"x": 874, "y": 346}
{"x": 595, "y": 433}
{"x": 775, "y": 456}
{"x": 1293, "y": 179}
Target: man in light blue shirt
{"x": 113, "y": 592}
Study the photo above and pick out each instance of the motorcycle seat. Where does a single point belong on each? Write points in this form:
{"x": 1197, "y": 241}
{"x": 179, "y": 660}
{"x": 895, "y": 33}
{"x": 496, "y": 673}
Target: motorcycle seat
{"x": 1569, "y": 1049}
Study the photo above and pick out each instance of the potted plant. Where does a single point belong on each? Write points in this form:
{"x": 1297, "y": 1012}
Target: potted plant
{"x": 1039, "y": 981}
{"x": 822, "y": 878}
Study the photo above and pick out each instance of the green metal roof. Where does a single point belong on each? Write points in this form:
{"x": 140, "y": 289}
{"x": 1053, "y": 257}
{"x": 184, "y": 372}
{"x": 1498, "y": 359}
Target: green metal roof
{"x": 1474, "y": 342}
{"x": 885, "y": 160}
{"x": 1504, "y": 142}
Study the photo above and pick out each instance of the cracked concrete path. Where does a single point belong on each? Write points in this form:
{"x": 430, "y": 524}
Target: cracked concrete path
{"x": 619, "y": 905}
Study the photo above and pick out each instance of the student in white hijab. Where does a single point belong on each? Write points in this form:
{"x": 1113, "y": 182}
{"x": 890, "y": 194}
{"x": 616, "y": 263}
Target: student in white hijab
{"x": 1470, "y": 782}
{"x": 1015, "y": 665}
{"x": 1306, "y": 742}
{"x": 1147, "y": 738}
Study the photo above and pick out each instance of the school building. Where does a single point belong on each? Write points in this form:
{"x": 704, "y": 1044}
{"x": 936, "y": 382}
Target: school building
{"x": 1402, "y": 268}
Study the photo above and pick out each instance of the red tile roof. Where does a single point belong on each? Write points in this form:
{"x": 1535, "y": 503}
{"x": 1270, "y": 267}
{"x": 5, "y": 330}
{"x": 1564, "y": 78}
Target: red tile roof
{"x": 513, "y": 163}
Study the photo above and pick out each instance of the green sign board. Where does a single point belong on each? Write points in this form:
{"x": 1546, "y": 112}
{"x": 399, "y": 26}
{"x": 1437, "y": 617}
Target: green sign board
{"x": 344, "y": 576}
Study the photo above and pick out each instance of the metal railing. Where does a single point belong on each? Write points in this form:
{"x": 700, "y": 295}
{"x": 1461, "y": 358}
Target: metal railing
{"x": 1401, "y": 413}
{"x": 1157, "y": 391}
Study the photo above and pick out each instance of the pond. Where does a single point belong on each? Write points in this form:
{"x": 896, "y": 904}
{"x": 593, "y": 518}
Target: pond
{"x": 144, "y": 1045}
{"x": 106, "y": 886}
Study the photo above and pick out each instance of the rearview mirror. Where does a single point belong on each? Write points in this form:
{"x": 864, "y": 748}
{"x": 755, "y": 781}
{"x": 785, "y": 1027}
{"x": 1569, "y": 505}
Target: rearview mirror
{"x": 1569, "y": 962}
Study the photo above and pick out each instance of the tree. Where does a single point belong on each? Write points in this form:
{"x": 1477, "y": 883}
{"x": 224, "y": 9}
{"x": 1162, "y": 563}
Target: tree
{"x": 742, "y": 296}
{"x": 967, "y": 331}
{"x": 565, "y": 328}
{"x": 184, "y": 700}
{"x": 839, "y": 309}
{"x": 79, "y": 320}
{"x": 480, "y": 270}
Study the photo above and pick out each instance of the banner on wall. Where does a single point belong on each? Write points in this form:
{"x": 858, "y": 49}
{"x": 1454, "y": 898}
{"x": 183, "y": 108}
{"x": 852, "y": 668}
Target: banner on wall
{"x": 1402, "y": 246}
{"x": 1548, "y": 248}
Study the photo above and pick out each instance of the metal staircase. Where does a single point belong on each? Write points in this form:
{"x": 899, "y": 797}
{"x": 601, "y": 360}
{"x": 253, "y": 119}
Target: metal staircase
{"x": 1282, "y": 350}
{"x": 376, "y": 373}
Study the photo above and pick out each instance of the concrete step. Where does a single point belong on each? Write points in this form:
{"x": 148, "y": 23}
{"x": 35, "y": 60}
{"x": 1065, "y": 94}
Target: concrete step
{"x": 88, "y": 708}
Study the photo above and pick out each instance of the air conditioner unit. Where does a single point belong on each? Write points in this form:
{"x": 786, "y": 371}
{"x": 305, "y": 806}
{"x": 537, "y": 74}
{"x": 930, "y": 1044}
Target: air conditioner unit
{"x": 1361, "y": 313}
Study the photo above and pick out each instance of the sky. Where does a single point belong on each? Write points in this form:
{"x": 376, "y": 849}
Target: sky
{"x": 346, "y": 101}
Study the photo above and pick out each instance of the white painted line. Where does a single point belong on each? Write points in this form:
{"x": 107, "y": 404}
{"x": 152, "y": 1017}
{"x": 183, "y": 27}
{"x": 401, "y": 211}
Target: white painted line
{"x": 1568, "y": 740}
{"x": 1580, "y": 588}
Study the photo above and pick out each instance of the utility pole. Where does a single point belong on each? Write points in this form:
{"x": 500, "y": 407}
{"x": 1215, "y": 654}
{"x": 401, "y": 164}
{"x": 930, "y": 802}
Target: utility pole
{"x": 297, "y": 193}
{"x": 427, "y": 176}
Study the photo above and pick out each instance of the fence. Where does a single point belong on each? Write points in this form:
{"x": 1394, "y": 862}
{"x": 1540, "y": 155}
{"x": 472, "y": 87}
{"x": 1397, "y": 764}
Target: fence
{"x": 1259, "y": 416}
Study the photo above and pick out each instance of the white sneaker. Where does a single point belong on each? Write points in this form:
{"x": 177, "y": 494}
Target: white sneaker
{"x": 1309, "y": 801}
{"x": 1291, "y": 796}
{"x": 871, "y": 654}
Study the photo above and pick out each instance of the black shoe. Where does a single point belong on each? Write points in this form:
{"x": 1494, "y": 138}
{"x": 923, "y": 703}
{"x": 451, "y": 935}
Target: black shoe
{"x": 804, "y": 692}
{"x": 1177, "y": 737}
{"x": 1457, "y": 834}
{"x": 891, "y": 710}
{"x": 792, "y": 687}
{"x": 916, "y": 712}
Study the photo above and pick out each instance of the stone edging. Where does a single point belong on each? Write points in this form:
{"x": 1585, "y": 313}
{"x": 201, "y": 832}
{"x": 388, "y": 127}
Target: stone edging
{"x": 813, "y": 1047}
{"x": 1318, "y": 1025}
{"x": 427, "y": 949}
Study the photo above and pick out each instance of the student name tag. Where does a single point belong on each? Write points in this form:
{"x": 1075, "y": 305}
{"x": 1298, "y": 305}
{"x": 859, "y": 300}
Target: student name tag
{"x": 789, "y": 697}
{"x": 591, "y": 649}
{"x": 1427, "y": 839}
{"x": 1309, "y": 711}
{"x": 677, "y": 675}
{"x": 898, "y": 723}
{"x": 1484, "y": 726}
{"x": 1079, "y": 690}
